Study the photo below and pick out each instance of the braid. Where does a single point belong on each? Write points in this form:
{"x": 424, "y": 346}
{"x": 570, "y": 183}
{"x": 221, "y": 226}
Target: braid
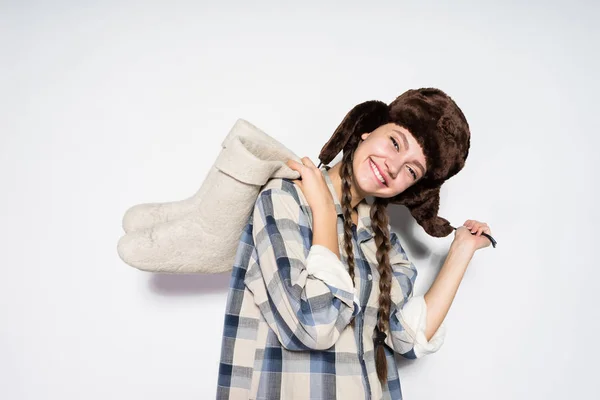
{"x": 346, "y": 176}
{"x": 379, "y": 223}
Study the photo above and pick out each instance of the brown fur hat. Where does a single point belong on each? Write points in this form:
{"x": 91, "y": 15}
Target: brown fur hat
{"x": 441, "y": 129}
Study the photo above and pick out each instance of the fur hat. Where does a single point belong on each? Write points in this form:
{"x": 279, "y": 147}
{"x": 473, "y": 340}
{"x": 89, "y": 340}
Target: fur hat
{"x": 441, "y": 129}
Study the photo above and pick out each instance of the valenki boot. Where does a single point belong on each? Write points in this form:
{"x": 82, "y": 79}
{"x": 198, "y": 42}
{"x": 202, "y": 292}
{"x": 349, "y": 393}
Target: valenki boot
{"x": 201, "y": 233}
{"x": 144, "y": 216}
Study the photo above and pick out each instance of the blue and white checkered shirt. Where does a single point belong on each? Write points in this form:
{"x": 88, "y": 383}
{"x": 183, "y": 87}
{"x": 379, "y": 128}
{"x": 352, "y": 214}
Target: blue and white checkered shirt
{"x": 287, "y": 334}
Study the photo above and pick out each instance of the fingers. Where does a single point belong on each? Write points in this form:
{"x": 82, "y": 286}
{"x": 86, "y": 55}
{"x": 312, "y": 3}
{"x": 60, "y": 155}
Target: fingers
{"x": 477, "y": 227}
{"x": 296, "y": 166}
{"x": 308, "y": 162}
{"x": 293, "y": 164}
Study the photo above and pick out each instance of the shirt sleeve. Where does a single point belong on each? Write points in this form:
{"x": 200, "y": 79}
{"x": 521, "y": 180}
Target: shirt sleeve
{"x": 408, "y": 314}
{"x": 304, "y": 292}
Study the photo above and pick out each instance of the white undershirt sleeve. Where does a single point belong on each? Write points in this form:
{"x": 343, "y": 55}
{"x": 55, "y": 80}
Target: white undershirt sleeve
{"x": 414, "y": 314}
{"x": 323, "y": 264}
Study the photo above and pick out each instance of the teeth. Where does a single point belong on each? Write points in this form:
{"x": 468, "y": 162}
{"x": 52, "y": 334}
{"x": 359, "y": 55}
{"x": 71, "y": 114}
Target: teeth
{"x": 377, "y": 172}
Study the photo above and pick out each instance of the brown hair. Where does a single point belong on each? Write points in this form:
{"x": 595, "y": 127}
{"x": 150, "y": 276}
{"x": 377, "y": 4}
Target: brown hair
{"x": 379, "y": 224}
{"x": 441, "y": 129}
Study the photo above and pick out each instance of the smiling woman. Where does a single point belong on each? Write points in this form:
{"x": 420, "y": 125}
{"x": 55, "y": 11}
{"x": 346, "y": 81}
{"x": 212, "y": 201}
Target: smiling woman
{"x": 395, "y": 157}
{"x": 321, "y": 295}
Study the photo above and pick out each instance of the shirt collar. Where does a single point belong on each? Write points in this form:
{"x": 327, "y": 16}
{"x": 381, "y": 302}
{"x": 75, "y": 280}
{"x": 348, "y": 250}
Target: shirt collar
{"x": 363, "y": 228}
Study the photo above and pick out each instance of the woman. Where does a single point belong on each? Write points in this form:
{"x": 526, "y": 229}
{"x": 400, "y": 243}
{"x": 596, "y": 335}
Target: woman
{"x": 321, "y": 292}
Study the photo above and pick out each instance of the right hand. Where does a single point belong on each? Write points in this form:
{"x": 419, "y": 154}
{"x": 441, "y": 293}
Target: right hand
{"x": 313, "y": 185}
{"x": 470, "y": 234}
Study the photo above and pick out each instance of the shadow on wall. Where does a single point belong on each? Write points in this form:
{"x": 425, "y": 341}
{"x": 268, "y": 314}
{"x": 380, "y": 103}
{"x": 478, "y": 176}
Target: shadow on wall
{"x": 188, "y": 284}
{"x": 403, "y": 223}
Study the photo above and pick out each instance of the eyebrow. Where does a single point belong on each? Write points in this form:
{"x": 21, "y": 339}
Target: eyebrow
{"x": 403, "y": 136}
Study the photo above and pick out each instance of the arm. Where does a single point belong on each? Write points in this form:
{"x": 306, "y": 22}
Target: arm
{"x": 302, "y": 309}
{"x": 325, "y": 229}
{"x": 440, "y": 295}
{"x": 422, "y": 317}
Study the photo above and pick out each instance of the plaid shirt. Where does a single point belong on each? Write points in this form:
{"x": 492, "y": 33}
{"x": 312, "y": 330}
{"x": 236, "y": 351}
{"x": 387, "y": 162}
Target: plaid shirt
{"x": 286, "y": 332}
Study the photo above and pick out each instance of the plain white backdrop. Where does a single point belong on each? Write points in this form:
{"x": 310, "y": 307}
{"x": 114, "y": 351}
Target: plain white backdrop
{"x": 104, "y": 105}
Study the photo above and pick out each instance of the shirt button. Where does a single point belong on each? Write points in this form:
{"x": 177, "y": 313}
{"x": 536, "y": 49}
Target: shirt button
{"x": 369, "y": 276}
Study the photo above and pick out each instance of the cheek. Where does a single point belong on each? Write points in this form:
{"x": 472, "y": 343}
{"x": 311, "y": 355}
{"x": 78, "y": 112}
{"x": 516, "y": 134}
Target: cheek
{"x": 357, "y": 160}
{"x": 362, "y": 172}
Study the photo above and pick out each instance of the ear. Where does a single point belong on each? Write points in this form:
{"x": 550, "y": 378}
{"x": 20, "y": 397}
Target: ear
{"x": 365, "y": 135}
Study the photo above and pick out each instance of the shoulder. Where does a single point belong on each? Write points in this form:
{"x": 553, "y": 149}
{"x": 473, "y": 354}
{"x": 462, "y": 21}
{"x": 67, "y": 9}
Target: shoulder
{"x": 394, "y": 240}
{"x": 283, "y": 195}
{"x": 283, "y": 187}
{"x": 397, "y": 253}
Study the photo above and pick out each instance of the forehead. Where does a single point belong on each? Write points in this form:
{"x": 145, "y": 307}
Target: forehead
{"x": 392, "y": 127}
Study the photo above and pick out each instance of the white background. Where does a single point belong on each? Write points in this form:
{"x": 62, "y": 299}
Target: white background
{"x": 107, "y": 105}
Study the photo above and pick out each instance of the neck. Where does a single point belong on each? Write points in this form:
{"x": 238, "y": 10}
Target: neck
{"x": 334, "y": 174}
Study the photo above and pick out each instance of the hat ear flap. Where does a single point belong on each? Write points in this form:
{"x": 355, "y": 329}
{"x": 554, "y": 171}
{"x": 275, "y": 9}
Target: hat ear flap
{"x": 424, "y": 206}
{"x": 364, "y": 117}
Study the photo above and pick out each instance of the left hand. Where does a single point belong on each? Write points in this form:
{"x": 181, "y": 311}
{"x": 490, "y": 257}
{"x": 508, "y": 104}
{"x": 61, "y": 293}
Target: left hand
{"x": 470, "y": 234}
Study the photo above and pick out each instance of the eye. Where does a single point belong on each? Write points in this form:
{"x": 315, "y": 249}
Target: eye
{"x": 395, "y": 143}
{"x": 413, "y": 173}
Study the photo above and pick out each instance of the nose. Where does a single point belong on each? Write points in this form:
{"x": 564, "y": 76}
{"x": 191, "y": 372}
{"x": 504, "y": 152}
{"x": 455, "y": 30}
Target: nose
{"x": 393, "y": 166}
{"x": 395, "y": 163}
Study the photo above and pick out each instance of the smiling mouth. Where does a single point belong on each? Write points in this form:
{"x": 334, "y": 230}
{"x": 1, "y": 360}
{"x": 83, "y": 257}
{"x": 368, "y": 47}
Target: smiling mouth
{"x": 377, "y": 173}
